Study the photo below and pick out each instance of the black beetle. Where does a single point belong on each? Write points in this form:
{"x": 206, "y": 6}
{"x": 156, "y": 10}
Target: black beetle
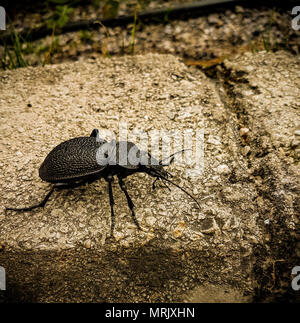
{"x": 85, "y": 159}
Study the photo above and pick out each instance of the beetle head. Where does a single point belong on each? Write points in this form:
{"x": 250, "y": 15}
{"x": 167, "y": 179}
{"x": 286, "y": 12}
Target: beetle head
{"x": 153, "y": 167}
{"x": 156, "y": 171}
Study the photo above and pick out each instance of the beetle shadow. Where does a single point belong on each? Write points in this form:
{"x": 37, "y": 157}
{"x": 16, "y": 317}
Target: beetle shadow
{"x": 87, "y": 275}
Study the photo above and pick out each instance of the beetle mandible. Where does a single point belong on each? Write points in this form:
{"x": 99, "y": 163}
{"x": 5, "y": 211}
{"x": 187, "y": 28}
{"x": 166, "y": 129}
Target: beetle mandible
{"x": 82, "y": 160}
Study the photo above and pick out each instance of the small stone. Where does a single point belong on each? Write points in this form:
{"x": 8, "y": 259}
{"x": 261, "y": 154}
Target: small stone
{"x": 223, "y": 169}
{"x": 124, "y": 243}
{"x": 150, "y": 220}
{"x": 168, "y": 30}
{"x": 245, "y": 150}
{"x": 215, "y": 20}
{"x": 87, "y": 244}
{"x": 56, "y": 213}
{"x": 297, "y": 132}
{"x": 244, "y": 132}
{"x": 239, "y": 9}
{"x": 179, "y": 229}
{"x": 118, "y": 235}
{"x": 213, "y": 141}
{"x": 249, "y": 68}
{"x": 171, "y": 115}
{"x": 178, "y": 30}
{"x": 21, "y": 130}
{"x": 295, "y": 142}
{"x": 202, "y": 216}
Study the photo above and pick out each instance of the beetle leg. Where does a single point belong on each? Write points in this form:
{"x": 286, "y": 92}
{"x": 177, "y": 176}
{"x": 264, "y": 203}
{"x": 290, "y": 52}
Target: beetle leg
{"x": 154, "y": 182}
{"x": 129, "y": 201}
{"x": 165, "y": 184}
{"x": 42, "y": 204}
{"x": 111, "y": 202}
{"x": 58, "y": 186}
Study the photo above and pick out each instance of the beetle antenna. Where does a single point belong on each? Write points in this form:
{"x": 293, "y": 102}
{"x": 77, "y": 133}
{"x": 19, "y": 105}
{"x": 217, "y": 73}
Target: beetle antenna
{"x": 156, "y": 179}
{"x": 178, "y": 152}
{"x": 183, "y": 190}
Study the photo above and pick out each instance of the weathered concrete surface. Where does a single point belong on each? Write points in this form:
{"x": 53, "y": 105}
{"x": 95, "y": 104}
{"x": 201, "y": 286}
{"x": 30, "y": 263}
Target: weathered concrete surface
{"x": 240, "y": 246}
{"x": 262, "y": 96}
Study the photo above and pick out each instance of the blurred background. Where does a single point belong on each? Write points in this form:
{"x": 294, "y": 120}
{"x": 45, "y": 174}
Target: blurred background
{"x": 203, "y": 33}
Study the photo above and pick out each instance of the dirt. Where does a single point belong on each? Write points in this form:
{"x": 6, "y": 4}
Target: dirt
{"x": 204, "y": 41}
